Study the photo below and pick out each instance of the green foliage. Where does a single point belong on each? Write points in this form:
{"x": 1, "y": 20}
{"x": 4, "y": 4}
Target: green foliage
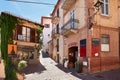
{"x": 10, "y": 73}
{"x": 22, "y": 64}
{"x": 78, "y": 66}
{"x": 7, "y": 25}
{"x": 39, "y": 31}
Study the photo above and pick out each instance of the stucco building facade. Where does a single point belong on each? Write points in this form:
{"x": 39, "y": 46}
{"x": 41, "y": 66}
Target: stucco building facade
{"x": 91, "y": 34}
{"x": 25, "y": 40}
{"x": 47, "y": 32}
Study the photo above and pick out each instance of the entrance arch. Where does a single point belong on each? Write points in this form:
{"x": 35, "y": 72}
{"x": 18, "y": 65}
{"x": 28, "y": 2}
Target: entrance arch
{"x": 72, "y": 56}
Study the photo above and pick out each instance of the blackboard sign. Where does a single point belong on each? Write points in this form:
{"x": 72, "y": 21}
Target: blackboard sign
{"x": 95, "y": 42}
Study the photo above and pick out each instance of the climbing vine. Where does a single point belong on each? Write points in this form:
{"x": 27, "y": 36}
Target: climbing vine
{"x": 7, "y": 25}
{"x": 39, "y": 31}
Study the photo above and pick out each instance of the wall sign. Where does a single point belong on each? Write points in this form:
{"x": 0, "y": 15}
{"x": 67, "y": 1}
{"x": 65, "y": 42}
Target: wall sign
{"x": 95, "y": 47}
{"x": 95, "y": 42}
{"x": 26, "y": 48}
{"x": 83, "y": 48}
{"x": 72, "y": 44}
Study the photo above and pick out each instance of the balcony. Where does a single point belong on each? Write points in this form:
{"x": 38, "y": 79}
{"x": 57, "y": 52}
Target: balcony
{"x": 25, "y": 38}
{"x": 70, "y": 27}
{"x": 55, "y": 20}
{"x": 55, "y": 33}
{"x": 67, "y": 4}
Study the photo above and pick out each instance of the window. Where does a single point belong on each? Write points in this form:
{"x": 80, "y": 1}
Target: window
{"x": 105, "y": 7}
{"x": 57, "y": 29}
{"x": 58, "y": 12}
{"x": 57, "y": 45}
{"x": 47, "y": 25}
{"x": 105, "y": 41}
{"x": 26, "y": 33}
{"x": 72, "y": 16}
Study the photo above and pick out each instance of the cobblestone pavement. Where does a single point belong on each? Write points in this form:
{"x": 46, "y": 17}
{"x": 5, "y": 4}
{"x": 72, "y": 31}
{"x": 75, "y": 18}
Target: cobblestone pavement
{"x": 48, "y": 70}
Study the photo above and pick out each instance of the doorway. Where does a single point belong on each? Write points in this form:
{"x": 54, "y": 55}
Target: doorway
{"x": 72, "y": 56}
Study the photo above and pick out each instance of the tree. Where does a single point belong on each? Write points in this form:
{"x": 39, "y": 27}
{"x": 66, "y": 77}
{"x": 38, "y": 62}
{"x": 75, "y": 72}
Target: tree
{"x": 7, "y": 25}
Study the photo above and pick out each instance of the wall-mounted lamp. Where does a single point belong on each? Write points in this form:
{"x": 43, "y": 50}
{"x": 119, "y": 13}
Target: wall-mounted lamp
{"x": 98, "y": 4}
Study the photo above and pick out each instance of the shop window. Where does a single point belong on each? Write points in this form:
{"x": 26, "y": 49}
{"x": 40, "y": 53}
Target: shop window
{"x": 105, "y": 7}
{"x": 105, "y": 42}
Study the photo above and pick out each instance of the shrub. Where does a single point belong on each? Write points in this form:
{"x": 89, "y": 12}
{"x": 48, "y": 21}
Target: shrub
{"x": 22, "y": 64}
{"x": 78, "y": 66}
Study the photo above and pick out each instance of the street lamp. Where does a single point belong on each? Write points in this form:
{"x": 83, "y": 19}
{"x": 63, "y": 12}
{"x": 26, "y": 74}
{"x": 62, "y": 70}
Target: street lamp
{"x": 97, "y": 6}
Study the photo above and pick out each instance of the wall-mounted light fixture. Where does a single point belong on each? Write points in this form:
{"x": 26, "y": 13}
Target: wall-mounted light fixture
{"x": 98, "y": 4}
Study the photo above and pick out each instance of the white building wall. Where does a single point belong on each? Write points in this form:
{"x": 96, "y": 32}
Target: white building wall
{"x": 47, "y": 32}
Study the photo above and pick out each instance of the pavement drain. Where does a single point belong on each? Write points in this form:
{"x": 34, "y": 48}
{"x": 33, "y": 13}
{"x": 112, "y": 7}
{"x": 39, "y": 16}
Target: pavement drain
{"x": 99, "y": 76}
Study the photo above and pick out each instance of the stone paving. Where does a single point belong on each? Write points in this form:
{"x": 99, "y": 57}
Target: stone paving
{"x": 48, "y": 70}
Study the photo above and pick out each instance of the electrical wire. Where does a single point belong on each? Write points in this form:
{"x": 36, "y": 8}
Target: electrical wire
{"x": 31, "y": 2}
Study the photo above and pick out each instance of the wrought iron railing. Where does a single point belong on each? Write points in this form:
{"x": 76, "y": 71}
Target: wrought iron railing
{"x": 71, "y": 24}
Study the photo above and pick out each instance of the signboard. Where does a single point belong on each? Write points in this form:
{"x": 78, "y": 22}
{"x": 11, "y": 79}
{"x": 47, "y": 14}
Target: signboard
{"x": 95, "y": 47}
{"x": 73, "y": 44}
{"x": 95, "y": 42}
{"x": 20, "y": 37}
{"x": 10, "y": 47}
{"x": 26, "y": 48}
{"x": 83, "y": 48}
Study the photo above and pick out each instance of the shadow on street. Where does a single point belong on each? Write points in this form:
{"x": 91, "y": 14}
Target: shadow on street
{"x": 106, "y": 75}
{"x": 32, "y": 68}
{"x": 45, "y": 55}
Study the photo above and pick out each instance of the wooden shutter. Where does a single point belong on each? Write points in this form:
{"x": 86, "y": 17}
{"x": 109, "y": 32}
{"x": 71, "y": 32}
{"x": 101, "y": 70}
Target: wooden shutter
{"x": 32, "y": 35}
{"x": 19, "y": 30}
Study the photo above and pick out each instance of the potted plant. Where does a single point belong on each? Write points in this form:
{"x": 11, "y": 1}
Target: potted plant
{"x": 78, "y": 66}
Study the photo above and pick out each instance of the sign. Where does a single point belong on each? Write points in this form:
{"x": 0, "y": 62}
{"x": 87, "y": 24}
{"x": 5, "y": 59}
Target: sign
{"x": 10, "y": 47}
{"x": 73, "y": 44}
{"x": 95, "y": 41}
{"x": 83, "y": 48}
{"x": 95, "y": 47}
{"x": 20, "y": 37}
{"x": 26, "y": 48}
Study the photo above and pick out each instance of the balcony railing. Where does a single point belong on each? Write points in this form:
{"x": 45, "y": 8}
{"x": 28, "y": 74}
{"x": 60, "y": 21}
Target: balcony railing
{"x": 72, "y": 24}
{"x": 27, "y": 39}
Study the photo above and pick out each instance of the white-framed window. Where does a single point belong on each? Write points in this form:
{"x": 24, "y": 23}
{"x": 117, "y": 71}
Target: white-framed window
{"x": 105, "y": 7}
{"x": 105, "y": 42}
{"x": 26, "y": 33}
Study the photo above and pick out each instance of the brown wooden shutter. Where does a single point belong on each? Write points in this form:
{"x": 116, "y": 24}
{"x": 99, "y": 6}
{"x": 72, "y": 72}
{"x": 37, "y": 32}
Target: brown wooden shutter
{"x": 32, "y": 35}
{"x": 19, "y": 30}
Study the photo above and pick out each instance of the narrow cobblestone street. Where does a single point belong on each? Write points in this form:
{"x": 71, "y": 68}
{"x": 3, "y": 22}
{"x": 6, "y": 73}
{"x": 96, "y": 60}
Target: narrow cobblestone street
{"x": 47, "y": 70}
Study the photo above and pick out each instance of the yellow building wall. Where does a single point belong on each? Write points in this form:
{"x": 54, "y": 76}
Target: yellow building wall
{"x": 112, "y": 19}
{"x": 79, "y": 8}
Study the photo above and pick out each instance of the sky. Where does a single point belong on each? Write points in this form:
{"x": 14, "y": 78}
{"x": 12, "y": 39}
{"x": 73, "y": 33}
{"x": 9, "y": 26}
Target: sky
{"x": 28, "y": 10}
